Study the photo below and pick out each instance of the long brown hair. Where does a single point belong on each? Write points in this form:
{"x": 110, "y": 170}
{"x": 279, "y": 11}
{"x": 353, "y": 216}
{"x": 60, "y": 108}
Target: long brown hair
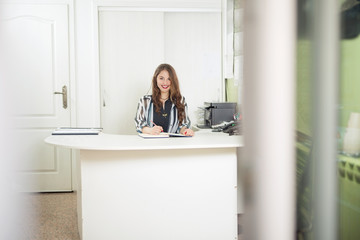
{"x": 174, "y": 93}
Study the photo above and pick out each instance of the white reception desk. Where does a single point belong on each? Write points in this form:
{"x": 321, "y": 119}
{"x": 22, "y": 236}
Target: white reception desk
{"x": 132, "y": 188}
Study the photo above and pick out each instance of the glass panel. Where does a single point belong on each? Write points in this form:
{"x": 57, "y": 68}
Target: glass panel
{"x": 349, "y": 123}
{"x": 348, "y": 130}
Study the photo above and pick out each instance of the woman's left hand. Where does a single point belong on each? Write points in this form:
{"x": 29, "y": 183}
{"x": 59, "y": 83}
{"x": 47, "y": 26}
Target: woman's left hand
{"x": 188, "y": 132}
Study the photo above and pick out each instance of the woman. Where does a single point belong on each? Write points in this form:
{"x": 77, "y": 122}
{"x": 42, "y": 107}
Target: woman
{"x": 165, "y": 110}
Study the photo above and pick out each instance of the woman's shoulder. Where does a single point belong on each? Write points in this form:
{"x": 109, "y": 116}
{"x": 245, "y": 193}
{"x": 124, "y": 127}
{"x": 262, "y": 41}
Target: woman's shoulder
{"x": 145, "y": 101}
{"x": 146, "y": 97}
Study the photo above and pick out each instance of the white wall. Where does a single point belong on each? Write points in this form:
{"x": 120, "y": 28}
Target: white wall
{"x": 133, "y": 43}
{"x": 87, "y": 102}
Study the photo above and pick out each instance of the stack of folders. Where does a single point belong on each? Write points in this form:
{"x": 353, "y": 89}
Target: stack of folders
{"x": 76, "y": 131}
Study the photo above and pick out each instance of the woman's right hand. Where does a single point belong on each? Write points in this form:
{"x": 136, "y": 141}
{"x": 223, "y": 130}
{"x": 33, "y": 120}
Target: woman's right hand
{"x": 156, "y": 130}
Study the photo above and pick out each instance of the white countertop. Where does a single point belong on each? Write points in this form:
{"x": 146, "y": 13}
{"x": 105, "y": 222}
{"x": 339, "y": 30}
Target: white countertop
{"x": 134, "y": 142}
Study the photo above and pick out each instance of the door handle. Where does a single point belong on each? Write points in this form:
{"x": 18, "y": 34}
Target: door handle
{"x": 64, "y": 95}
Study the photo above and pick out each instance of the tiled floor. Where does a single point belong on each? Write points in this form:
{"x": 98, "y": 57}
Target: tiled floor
{"x": 49, "y": 216}
{"x": 52, "y": 216}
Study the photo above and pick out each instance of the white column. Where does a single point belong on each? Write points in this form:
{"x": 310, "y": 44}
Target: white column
{"x": 269, "y": 119}
{"x": 325, "y": 95}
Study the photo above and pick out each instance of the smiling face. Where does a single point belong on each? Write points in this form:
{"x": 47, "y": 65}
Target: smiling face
{"x": 163, "y": 82}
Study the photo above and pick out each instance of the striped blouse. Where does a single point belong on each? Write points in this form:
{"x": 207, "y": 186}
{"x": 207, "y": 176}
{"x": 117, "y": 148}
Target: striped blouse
{"x": 144, "y": 115}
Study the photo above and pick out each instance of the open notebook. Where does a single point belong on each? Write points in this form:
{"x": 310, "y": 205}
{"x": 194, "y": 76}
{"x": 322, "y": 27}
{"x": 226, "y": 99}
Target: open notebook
{"x": 162, "y": 135}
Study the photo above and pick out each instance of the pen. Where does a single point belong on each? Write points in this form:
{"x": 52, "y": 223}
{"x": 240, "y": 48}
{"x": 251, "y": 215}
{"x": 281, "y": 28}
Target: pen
{"x": 154, "y": 124}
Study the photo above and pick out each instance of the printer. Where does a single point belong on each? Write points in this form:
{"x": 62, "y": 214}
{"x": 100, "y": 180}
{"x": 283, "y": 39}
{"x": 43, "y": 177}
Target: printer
{"x": 218, "y": 112}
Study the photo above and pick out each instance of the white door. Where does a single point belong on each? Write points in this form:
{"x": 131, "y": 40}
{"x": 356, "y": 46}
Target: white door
{"x": 36, "y": 50}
